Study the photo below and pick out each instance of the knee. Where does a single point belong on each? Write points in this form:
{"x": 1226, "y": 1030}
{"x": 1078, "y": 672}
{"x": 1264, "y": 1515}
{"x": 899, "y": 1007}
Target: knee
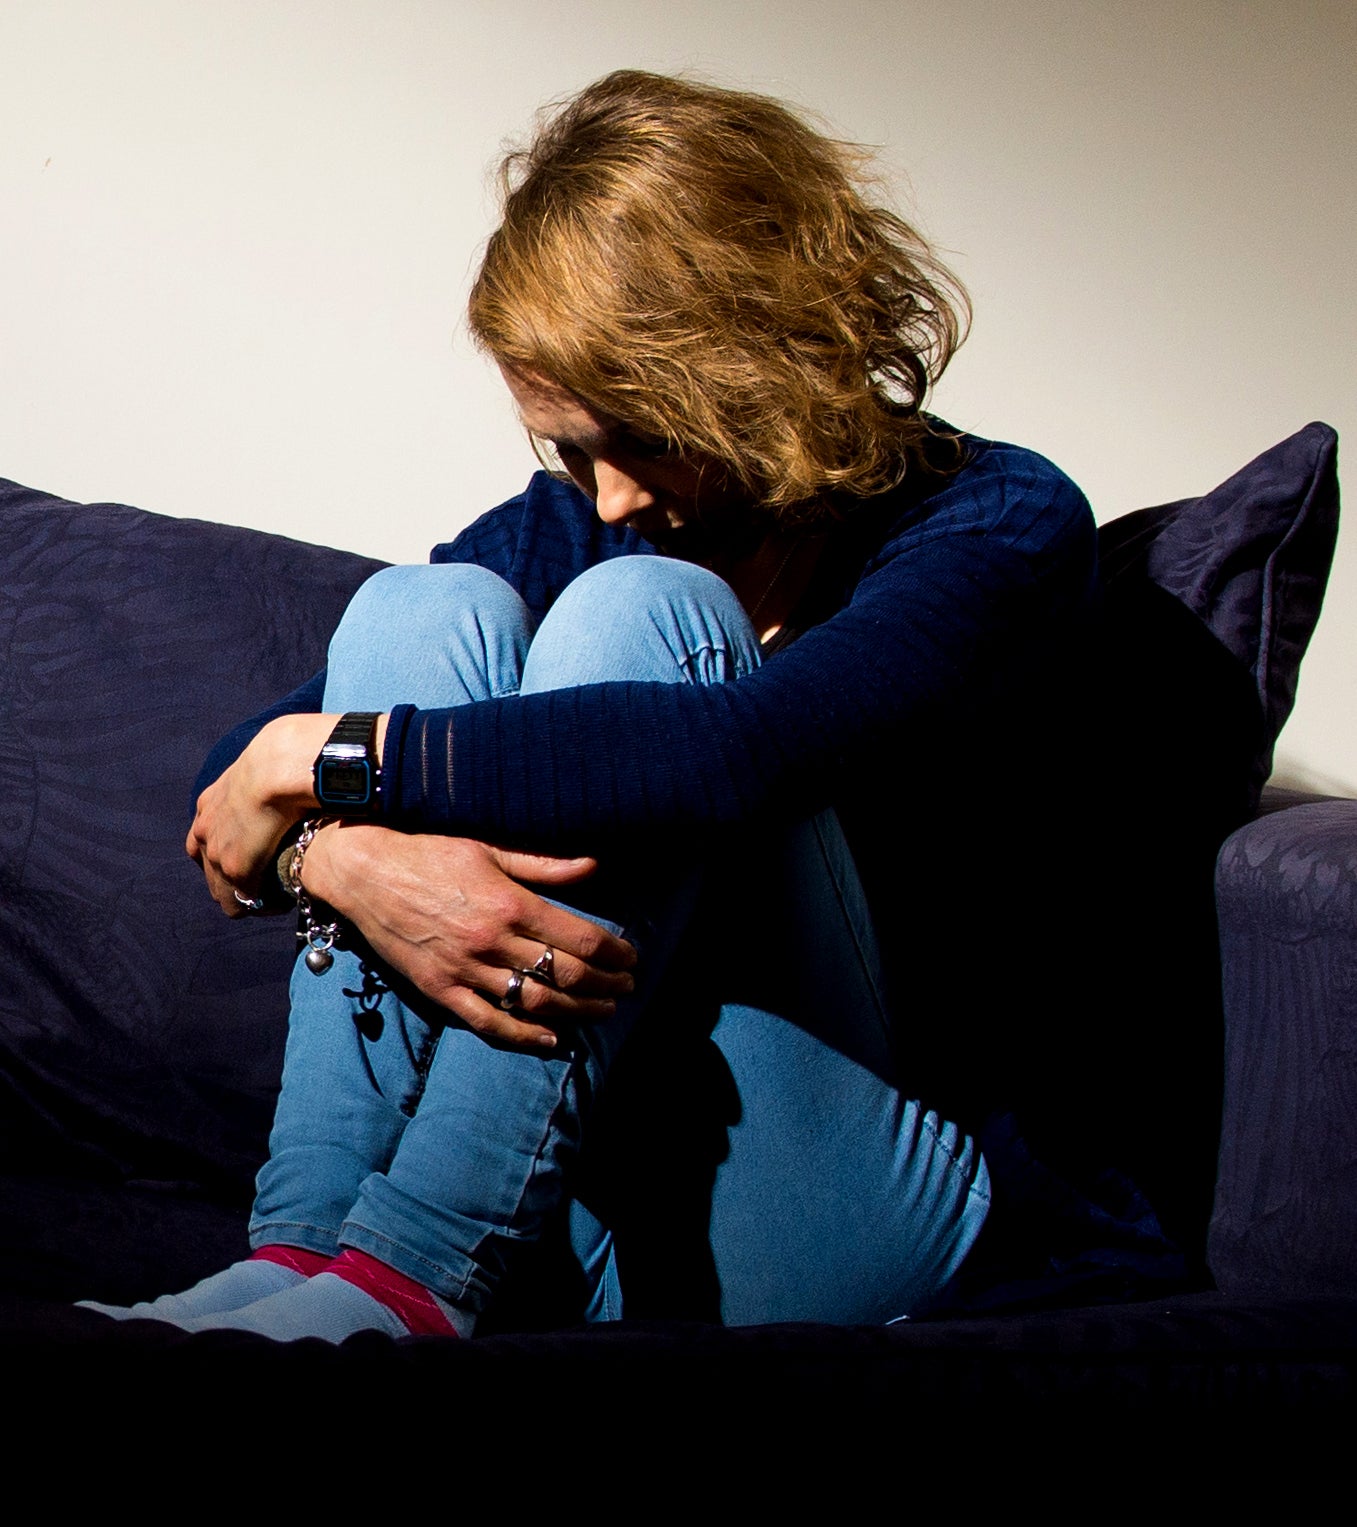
{"x": 636, "y": 584}
{"x": 643, "y": 618}
{"x": 436, "y": 635}
{"x": 411, "y": 604}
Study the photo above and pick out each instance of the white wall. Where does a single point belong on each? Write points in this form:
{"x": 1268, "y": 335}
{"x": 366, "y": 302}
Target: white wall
{"x": 237, "y": 236}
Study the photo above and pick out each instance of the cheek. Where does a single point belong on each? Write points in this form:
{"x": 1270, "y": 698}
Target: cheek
{"x": 688, "y": 488}
{"x": 581, "y": 473}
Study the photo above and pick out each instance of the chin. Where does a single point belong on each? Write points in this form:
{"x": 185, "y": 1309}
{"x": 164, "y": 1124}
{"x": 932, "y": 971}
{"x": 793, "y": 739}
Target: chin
{"x": 728, "y": 540}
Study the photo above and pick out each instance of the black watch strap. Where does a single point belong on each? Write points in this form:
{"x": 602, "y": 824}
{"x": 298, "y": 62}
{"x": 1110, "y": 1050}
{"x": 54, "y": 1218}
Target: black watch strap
{"x": 356, "y": 726}
{"x": 347, "y": 772}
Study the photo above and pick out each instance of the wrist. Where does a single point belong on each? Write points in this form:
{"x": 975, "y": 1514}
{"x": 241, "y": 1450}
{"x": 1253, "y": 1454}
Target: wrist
{"x": 347, "y": 772}
{"x": 316, "y": 877}
{"x": 285, "y": 759}
{"x": 287, "y": 749}
{"x": 334, "y": 870}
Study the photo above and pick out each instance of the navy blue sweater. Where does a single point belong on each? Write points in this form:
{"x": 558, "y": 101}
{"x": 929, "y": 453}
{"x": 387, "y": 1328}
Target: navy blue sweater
{"x": 939, "y": 606}
{"x": 932, "y": 608}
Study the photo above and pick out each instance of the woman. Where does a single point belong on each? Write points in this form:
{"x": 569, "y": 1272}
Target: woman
{"x": 705, "y": 322}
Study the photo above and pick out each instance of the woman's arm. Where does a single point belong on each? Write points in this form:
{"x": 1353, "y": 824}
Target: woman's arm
{"x": 307, "y": 697}
{"x": 451, "y": 915}
{"x": 954, "y": 613}
{"x": 256, "y": 783}
{"x": 960, "y": 607}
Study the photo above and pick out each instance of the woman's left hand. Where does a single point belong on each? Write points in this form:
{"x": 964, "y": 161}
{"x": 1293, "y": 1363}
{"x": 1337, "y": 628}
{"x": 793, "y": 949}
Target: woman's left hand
{"x": 243, "y": 816}
{"x": 459, "y": 919}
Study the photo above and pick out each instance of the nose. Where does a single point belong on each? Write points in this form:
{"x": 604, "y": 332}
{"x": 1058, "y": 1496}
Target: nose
{"x": 618, "y": 496}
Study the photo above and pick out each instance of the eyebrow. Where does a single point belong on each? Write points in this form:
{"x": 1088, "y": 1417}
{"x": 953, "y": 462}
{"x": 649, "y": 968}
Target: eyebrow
{"x": 620, "y": 434}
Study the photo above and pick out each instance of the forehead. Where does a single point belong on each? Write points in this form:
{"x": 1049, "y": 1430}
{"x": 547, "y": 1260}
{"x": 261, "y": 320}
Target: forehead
{"x": 554, "y": 412}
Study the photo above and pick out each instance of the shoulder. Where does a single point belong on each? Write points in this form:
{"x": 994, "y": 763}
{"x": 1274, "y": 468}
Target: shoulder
{"x": 1011, "y": 500}
{"x": 1004, "y": 535}
{"x": 1005, "y": 490}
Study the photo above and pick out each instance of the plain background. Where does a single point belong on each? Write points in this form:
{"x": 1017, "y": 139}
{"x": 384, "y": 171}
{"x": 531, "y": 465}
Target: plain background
{"x": 237, "y": 236}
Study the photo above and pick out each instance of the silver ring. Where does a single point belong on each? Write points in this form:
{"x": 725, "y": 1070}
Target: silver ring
{"x": 544, "y": 969}
{"x": 250, "y": 903}
{"x": 512, "y": 992}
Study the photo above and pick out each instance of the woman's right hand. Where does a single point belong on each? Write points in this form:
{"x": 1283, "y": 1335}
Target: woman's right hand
{"x": 242, "y": 816}
{"x": 455, "y": 918}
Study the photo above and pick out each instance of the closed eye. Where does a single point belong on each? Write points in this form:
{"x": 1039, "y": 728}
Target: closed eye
{"x": 625, "y": 444}
{"x": 645, "y": 447}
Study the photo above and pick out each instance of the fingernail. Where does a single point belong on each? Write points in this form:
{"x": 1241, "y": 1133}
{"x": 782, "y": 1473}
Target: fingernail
{"x": 547, "y": 1041}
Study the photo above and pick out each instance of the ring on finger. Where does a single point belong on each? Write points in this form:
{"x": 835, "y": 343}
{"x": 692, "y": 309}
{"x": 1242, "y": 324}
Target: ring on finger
{"x": 544, "y": 969}
{"x": 251, "y": 904}
{"x": 513, "y": 991}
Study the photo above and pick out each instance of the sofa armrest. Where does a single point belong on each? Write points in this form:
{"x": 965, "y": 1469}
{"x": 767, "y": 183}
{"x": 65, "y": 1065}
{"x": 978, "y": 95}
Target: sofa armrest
{"x": 1285, "y": 1216}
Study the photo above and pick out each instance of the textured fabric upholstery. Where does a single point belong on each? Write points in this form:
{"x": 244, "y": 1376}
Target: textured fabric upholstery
{"x": 1250, "y": 559}
{"x": 1286, "y": 1194}
{"x": 140, "y": 1031}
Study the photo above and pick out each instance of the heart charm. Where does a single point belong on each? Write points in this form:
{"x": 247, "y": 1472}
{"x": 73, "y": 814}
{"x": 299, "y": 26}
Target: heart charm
{"x": 318, "y": 961}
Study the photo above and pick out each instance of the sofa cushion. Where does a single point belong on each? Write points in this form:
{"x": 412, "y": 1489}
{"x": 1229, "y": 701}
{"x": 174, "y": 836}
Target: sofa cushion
{"x": 140, "y": 1031}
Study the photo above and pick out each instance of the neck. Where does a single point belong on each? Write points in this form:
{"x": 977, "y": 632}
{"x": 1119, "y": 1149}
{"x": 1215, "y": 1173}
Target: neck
{"x": 771, "y": 579}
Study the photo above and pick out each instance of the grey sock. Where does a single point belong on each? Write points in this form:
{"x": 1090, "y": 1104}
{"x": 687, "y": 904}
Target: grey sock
{"x": 240, "y": 1284}
{"x": 323, "y": 1306}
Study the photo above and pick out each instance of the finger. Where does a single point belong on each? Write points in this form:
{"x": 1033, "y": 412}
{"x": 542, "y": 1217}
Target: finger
{"x": 581, "y": 1004}
{"x": 223, "y": 892}
{"x": 497, "y": 1026}
{"x": 550, "y": 1004}
{"x": 542, "y": 869}
{"x": 569, "y": 933}
{"x": 569, "y": 974}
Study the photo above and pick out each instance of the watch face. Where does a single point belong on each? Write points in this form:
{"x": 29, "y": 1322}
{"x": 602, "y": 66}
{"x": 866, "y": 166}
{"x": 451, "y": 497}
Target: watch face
{"x": 343, "y": 781}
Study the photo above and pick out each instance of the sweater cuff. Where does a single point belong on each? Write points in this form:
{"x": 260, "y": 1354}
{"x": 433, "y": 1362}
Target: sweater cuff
{"x": 393, "y": 753}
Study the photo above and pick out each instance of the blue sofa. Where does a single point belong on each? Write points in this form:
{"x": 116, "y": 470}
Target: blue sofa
{"x": 141, "y": 1034}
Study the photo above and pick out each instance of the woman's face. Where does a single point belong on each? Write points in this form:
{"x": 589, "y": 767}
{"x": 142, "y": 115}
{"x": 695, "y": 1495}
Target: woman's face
{"x": 682, "y": 504}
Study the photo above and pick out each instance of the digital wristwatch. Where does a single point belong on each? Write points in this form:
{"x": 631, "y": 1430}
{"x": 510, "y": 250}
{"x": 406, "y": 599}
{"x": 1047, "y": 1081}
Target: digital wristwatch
{"x": 347, "y": 771}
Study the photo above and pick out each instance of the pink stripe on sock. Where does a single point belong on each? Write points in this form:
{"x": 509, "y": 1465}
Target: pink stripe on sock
{"x": 410, "y": 1302}
{"x": 297, "y": 1258}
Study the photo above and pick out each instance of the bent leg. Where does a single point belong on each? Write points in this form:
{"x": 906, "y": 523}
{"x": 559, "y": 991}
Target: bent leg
{"x": 754, "y": 1157}
{"x": 358, "y": 1058}
{"x": 483, "y": 1164}
{"x": 842, "y": 1199}
{"x": 837, "y": 1196}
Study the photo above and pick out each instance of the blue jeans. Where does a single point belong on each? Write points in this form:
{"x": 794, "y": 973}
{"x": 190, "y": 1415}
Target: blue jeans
{"x": 828, "y": 1194}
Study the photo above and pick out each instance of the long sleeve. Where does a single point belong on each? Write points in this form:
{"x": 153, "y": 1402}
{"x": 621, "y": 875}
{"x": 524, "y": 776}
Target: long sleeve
{"x": 539, "y": 541}
{"x": 962, "y": 599}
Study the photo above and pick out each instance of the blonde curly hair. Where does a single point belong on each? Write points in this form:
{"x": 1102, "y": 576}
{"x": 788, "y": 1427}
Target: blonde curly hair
{"x": 704, "y": 265}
